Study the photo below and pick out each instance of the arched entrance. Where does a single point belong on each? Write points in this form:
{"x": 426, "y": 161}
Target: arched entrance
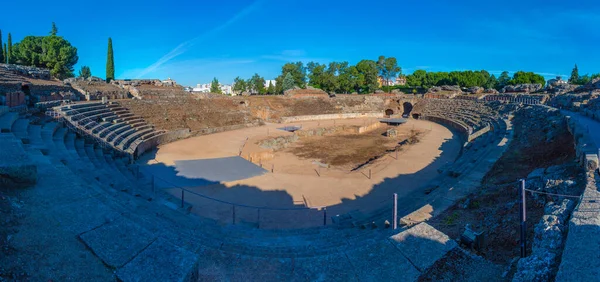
{"x": 25, "y": 89}
{"x": 389, "y": 112}
{"x": 408, "y": 107}
{"x": 416, "y": 116}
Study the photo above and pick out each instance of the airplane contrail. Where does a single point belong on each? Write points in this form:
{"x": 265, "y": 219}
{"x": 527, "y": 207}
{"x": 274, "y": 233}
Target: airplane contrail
{"x": 183, "y": 47}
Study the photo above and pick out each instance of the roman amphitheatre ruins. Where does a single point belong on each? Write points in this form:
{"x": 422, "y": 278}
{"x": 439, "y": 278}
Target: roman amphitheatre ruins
{"x": 141, "y": 181}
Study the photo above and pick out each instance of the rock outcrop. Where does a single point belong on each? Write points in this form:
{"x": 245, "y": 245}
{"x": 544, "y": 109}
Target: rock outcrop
{"x": 522, "y": 88}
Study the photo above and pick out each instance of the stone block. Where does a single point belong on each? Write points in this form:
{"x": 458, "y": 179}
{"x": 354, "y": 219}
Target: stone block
{"x": 423, "y": 245}
{"x": 591, "y": 162}
{"x": 117, "y": 242}
{"x": 161, "y": 261}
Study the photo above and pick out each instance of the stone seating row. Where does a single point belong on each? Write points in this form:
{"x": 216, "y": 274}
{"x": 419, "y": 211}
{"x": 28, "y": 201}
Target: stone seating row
{"x": 109, "y": 123}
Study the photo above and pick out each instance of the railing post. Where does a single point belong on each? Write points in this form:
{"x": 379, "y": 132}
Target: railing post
{"x": 395, "y": 214}
{"x": 258, "y": 220}
{"x": 523, "y": 221}
{"x": 182, "y": 197}
{"x": 325, "y": 216}
{"x": 233, "y": 214}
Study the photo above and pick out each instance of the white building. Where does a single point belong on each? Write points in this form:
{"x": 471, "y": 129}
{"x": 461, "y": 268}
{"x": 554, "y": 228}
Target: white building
{"x": 205, "y": 88}
{"x": 270, "y": 81}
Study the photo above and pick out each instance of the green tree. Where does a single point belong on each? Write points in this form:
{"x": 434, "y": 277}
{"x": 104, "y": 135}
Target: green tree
{"x": 288, "y": 82}
{"x": 574, "y": 79}
{"x": 256, "y": 84}
{"x": 271, "y": 88}
{"x": 316, "y": 74}
{"x": 30, "y": 52}
{"x": 54, "y": 30}
{"x": 215, "y": 87}
{"x": 503, "y": 80}
{"x": 2, "y": 52}
{"x": 110, "y": 62}
{"x": 85, "y": 72}
{"x": 416, "y": 79}
{"x": 491, "y": 83}
{"x": 522, "y": 77}
{"x": 239, "y": 85}
{"x": 9, "y": 50}
{"x": 388, "y": 68}
{"x": 298, "y": 72}
{"x": 367, "y": 77}
{"x": 51, "y": 52}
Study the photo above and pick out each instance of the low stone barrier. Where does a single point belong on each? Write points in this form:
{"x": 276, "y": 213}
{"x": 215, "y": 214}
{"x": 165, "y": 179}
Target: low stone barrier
{"x": 160, "y": 139}
{"x": 478, "y": 133}
{"x": 458, "y": 126}
{"x": 330, "y": 116}
{"x": 585, "y": 148}
{"x": 206, "y": 131}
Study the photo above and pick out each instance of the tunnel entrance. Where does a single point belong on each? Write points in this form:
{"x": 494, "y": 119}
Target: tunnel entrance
{"x": 389, "y": 112}
{"x": 408, "y": 107}
{"x": 25, "y": 89}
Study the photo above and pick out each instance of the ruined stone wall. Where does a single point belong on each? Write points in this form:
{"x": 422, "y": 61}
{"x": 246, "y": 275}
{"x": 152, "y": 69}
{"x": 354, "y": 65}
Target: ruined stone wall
{"x": 330, "y": 116}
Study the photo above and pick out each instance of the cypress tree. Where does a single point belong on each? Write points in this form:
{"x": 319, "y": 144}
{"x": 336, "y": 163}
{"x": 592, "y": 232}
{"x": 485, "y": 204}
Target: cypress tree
{"x": 2, "y": 60}
{"x": 110, "y": 64}
{"x": 9, "y": 50}
{"x": 4, "y": 53}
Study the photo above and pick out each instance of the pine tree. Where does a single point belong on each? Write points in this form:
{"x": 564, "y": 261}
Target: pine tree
{"x": 214, "y": 86}
{"x": 271, "y": 89}
{"x": 2, "y": 52}
{"x": 574, "y": 79}
{"x": 54, "y": 30}
{"x": 288, "y": 82}
{"x": 110, "y": 63}
{"x": 9, "y": 50}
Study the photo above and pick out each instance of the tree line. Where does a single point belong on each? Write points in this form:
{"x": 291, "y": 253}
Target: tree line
{"x": 581, "y": 79}
{"x": 367, "y": 76}
{"x": 424, "y": 79}
{"x": 335, "y": 77}
{"x": 51, "y": 52}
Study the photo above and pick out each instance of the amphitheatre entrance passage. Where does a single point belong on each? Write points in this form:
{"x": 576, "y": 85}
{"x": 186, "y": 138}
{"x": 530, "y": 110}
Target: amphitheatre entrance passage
{"x": 345, "y": 165}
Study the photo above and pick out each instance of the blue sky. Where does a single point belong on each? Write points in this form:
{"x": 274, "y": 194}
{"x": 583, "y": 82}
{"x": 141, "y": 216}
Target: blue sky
{"x": 194, "y": 41}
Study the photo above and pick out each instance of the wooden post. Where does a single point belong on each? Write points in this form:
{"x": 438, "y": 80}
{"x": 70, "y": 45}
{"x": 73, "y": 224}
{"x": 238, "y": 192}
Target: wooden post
{"x": 325, "y": 216}
{"x": 272, "y": 168}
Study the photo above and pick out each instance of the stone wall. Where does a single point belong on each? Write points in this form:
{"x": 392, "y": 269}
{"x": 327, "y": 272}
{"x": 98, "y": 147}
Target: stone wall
{"x": 580, "y": 260}
{"x": 164, "y": 138}
{"x": 330, "y": 116}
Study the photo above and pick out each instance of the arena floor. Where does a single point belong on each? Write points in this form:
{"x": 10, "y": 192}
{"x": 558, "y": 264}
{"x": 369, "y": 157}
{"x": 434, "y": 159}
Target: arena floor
{"x": 294, "y": 182}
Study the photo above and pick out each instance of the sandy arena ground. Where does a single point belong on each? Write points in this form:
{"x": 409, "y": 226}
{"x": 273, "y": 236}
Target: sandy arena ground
{"x": 297, "y": 182}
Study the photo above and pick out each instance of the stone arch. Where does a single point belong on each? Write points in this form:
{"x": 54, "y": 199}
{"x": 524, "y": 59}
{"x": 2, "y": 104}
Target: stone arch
{"x": 407, "y": 109}
{"x": 389, "y": 112}
{"x": 416, "y": 116}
